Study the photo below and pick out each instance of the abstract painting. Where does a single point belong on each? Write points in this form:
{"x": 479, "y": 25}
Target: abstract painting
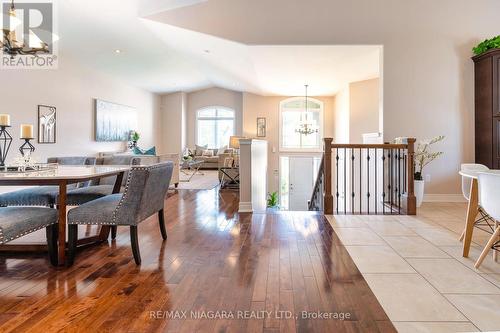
{"x": 114, "y": 121}
{"x": 46, "y": 124}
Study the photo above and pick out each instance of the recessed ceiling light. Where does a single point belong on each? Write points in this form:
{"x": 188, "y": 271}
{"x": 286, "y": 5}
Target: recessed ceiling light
{"x": 118, "y": 51}
{"x": 206, "y": 51}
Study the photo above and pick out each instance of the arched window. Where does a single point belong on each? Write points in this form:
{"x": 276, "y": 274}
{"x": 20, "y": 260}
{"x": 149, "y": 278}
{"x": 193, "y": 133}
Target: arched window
{"x": 292, "y": 115}
{"x": 214, "y": 126}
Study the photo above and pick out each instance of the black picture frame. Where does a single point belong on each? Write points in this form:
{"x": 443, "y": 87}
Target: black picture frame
{"x": 42, "y": 136}
{"x": 261, "y": 127}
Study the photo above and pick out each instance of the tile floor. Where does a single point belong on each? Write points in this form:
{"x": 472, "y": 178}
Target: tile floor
{"x": 414, "y": 265}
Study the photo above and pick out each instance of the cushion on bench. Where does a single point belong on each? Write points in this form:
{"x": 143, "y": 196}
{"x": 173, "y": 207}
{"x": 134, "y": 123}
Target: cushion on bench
{"x": 16, "y": 222}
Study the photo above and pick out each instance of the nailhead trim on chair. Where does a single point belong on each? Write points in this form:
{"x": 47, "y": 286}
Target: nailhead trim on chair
{"x": 125, "y": 191}
{"x": 3, "y": 241}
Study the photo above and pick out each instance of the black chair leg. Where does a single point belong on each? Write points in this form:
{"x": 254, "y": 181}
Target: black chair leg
{"x": 72, "y": 241}
{"x": 52, "y": 232}
{"x": 161, "y": 220}
{"x": 134, "y": 240}
{"x": 113, "y": 231}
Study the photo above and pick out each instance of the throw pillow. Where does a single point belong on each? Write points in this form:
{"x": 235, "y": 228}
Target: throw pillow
{"x": 199, "y": 150}
{"x": 221, "y": 150}
{"x": 207, "y": 153}
{"x": 150, "y": 151}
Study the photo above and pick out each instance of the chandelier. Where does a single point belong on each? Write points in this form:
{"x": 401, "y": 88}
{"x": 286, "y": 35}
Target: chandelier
{"x": 306, "y": 127}
{"x": 11, "y": 45}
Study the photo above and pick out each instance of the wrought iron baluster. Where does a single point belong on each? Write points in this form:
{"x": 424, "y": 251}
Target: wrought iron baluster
{"x": 389, "y": 188}
{"x": 360, "y": 182}
{"x": 399, "y": 181}
{"x": 376, "y": 179}
{"x": 405, "y": 179}
{"x": 337, "y": 176}
{"x": 383, "y": 181}
{"x": 345, "y": 180}
{"x": 368, "y": 181}
{"x": 353, "y": 193}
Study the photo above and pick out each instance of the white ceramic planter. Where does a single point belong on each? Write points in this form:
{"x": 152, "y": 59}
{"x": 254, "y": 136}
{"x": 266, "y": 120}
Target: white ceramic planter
{"x": 419, "y": 191}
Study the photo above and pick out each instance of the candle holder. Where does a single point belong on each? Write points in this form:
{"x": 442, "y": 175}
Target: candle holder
{"x": 5, "y": 141}
{"x": 27, "y": 147}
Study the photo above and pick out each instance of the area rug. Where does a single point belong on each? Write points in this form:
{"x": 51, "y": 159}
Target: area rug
{"x": 206, "y": 181}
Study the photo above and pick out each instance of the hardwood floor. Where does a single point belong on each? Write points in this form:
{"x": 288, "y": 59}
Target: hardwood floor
{"x": 259, "y": 269}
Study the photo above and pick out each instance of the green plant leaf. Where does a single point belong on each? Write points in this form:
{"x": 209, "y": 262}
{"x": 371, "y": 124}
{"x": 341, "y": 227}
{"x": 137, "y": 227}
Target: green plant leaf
{"x": 488, "y": 44}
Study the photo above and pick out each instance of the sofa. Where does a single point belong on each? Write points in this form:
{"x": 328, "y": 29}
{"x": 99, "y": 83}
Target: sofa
{"x": 153, "y": 159}
{"x": 213, "y": 162}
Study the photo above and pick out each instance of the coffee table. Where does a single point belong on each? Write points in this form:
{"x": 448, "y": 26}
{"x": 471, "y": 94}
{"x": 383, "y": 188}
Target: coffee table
{"x": 191, "y": 168}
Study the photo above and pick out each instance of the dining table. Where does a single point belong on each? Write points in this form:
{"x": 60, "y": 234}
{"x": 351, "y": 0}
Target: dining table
{"x": 473, "y": 206}
{"x": 62, "y": 176}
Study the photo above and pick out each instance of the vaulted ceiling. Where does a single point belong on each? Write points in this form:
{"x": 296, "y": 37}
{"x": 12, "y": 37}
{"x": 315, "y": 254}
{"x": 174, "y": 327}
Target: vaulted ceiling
{"x": 162, "y": 56}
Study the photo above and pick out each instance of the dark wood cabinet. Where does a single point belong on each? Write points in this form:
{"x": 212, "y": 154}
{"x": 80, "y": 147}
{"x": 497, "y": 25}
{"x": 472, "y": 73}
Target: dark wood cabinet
{"x": 487, "y": 108}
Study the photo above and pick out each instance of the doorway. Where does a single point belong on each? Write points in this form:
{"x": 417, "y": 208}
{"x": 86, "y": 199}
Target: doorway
{"x": 297, "y": 177}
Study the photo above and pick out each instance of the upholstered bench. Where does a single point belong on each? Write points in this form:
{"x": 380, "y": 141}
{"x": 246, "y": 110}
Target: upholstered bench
{"x": 16, "y": 222}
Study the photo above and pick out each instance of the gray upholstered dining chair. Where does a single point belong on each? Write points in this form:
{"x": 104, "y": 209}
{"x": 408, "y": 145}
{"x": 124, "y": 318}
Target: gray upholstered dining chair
{"x": 43, "y": 195}
{"x": 101, "y": 187}
{"x": 16, "y": 222}
{"x": 144, "y": 195}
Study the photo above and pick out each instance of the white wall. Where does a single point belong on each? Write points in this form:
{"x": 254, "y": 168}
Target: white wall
{"x": 212, "y": 97}
{"x": 341, "y": 116}
{"x": 173, "y": 122}
{"x": 71, "y": 89}
{"x": 363, "y": 109}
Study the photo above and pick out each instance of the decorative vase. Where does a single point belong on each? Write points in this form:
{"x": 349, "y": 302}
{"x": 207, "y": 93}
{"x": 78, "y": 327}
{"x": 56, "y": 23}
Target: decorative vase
{"x": 419, "y": 191}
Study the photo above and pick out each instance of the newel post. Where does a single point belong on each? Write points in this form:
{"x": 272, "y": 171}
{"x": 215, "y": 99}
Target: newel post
{"x": 411, "y": 204}
{"x": 327, "y": 176}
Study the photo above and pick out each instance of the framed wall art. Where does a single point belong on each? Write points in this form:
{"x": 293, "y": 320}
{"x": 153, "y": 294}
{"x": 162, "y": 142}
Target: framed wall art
{"x": 46, "y": 124}
{"x": 261, "y": 127}
{"x": 113, "y": 122}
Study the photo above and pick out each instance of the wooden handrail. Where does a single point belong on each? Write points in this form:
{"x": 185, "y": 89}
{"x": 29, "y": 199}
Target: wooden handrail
{"x": 370, "y": 145}
{"x": 411, "y": 200}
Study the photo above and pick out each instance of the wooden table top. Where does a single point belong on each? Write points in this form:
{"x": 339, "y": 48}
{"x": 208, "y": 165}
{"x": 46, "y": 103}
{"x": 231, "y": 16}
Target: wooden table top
{"x": 66, "y": 172}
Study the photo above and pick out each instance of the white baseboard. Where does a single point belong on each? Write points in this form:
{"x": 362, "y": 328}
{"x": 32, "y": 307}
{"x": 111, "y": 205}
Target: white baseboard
{"x": 444, "y": 198}
{"x": 245, "y": 207}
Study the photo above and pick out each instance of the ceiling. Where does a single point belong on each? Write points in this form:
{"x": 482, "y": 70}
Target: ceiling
{"x": 163, "y": 58}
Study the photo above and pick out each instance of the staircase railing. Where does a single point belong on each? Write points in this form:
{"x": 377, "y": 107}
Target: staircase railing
{"x": 316, "y": 202}
{"x": 366, "y": 179}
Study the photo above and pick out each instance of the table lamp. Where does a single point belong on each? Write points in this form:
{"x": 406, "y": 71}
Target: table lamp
{"x": 234, "y": 142}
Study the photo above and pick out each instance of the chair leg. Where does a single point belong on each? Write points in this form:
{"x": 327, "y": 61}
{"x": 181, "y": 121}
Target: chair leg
{"x": 72, "y": 241}
{"x": 495, "y": 253}
{"x": 113, "y": 231}
{"x": 462, "y": 236}
{"x": 52, "y": 232}
{"x": 488, "y": 246}
{"x": 161, "y": 220}
{"x": 134, "y": 240}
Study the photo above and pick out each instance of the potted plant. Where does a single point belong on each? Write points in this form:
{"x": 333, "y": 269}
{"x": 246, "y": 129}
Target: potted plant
{"x": 423, "y": 156}
{"x": 134, "y": 138}
{"x": 272, "y": 200}
{"x": 486, "y": 45}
